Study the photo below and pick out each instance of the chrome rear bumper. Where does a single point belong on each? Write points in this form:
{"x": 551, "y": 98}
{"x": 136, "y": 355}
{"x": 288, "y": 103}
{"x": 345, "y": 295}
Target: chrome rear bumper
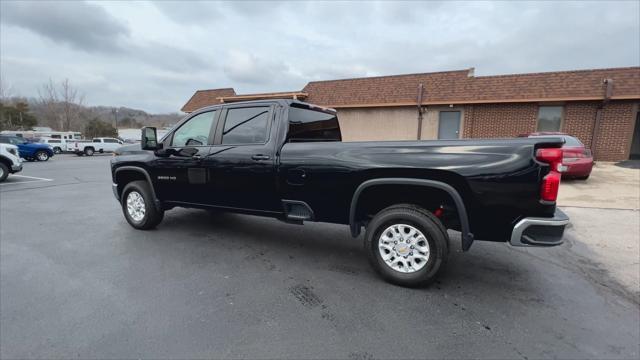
{"x": 114, "y": 188}
{"x": 540, "y": 231}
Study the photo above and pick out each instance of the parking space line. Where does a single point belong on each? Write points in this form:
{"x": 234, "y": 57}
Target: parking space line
{"x": 35, "y": 179}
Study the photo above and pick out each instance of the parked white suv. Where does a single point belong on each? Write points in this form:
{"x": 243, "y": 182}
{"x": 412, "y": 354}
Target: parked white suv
{"x": 57, "y": 145}
{"x": 101, "y": 144}
{"x": 10, "y": 162}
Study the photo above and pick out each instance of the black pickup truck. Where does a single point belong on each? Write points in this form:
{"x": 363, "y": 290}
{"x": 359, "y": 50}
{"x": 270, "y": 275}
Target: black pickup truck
{"x": 285, "y": 159}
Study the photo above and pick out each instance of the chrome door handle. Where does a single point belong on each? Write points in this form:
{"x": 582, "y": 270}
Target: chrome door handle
{"x": 259, "y": 157}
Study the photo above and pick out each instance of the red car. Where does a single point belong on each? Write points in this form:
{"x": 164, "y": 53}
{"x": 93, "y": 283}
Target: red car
{"x": 576, "y": 157}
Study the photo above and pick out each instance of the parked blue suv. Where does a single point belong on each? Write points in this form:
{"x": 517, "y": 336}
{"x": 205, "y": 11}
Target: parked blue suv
{"x": 28, "y": 151}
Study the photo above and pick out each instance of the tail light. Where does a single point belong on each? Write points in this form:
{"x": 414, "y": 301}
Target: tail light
{"x": 551, "y": 181}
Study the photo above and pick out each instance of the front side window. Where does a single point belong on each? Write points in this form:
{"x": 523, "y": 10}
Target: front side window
{"x": 306, "y": 125}
{"x": 549, "y": 118}
{"x": 96, "y": 140}
{"x": 195, "y": 132}
{"x": 246, "y": 126}
{"x": 110, "y": 141}
{"x": 17, "y": 141}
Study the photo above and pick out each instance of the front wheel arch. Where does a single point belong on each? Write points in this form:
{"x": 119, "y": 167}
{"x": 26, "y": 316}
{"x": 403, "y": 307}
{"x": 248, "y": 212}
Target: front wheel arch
{"x": 126, "y": 174}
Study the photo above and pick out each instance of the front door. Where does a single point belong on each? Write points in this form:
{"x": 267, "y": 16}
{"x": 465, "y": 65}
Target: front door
{"x": 178, "y": 172}
{"x": 449, "y": 125}
{"x": 241, "y": 167}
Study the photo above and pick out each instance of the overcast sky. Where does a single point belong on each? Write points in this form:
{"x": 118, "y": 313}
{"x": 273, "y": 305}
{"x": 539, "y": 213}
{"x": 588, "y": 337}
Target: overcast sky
{"x": 154, "y": 55}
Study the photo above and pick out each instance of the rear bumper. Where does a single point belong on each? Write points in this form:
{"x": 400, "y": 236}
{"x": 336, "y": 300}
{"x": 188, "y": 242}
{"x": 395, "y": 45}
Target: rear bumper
{"x": 540, "y": 231}
{"x": 578, "y": 168}
{"x": 114, "y": 188}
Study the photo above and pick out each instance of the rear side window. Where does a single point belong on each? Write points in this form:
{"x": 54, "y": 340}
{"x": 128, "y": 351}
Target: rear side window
{"x": 246, "y": 126}
{"x": 54, "y": 141}
{"x": 195, "y": 132}
{"x": 110, "y": 140}
{"x": 571, "y": 141}
{"x": 306, "y": 125}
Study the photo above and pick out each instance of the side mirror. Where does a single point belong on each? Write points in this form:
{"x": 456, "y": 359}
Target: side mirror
{"x": 149, "y": 139}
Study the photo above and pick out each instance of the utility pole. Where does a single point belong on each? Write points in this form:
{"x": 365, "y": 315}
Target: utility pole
{"x": 115, "y": 115}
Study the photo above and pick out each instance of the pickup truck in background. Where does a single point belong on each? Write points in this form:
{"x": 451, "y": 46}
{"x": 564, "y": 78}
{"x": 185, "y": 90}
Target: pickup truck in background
{"x": 285, "y": 159}
{"x": 90, "y": 147}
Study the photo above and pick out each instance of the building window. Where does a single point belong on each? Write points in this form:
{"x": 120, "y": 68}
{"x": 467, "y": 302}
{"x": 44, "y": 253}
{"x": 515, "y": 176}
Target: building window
{"x": 549, "y": 118}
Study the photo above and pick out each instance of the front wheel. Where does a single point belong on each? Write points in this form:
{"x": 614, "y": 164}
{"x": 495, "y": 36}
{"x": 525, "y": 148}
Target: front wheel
{"x": 4, "y": 171}
{"x": 89, "y": 151}
{"x": 407, "y": 245}
{"x": 57, "y": 150}
{"x": 42, "y": 156}
{"x": 138, "y": 206}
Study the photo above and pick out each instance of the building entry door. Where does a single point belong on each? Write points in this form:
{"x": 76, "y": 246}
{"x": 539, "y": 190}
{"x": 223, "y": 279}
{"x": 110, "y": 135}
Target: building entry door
{"x": 635, "y": 143}
{"x": 449, "y": 125}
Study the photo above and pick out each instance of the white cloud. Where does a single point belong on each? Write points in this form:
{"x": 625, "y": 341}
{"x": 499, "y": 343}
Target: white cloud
{"x": 153, "y": 55}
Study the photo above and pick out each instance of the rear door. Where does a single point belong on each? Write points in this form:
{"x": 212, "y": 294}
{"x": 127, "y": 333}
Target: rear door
{"x": 241, "y": 165}
{"x": 178, "y": 172}
{"x": 449, "y": 125}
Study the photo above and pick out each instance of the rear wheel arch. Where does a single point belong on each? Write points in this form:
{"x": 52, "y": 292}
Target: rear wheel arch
{"x": 127, "y": 174}
{"x": 356, "y": 215}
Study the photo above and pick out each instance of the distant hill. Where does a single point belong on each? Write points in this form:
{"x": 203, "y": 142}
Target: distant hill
{"x": 51, "y": 115}
{"x": 131, "y": 118}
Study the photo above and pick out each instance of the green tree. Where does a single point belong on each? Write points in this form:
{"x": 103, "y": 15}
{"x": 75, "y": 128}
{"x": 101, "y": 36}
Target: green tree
{"x": 97, "y": 128}
{"x": 16, "y": 117}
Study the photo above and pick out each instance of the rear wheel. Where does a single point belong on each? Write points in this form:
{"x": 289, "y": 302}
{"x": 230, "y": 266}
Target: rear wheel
{"x": 4, "y": 171}
{"x": 407, "y": 245}
{"x": 89, "y": 151}
{"x": 138, "y": 206}
{"x": 42, "y": 156}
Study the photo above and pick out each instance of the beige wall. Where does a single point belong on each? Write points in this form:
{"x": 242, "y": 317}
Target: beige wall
{"x": 390, "y": 123}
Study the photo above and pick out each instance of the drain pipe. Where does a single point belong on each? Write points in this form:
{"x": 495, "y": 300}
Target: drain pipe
{"x": 595, "y": 131}
{"x": 420, "y": 110}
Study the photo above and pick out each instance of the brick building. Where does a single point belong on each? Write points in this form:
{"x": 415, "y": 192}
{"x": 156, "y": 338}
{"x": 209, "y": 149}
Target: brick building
{"x": 598, "y": 106}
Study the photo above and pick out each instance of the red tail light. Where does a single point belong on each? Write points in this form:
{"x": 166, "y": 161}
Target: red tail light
{"x": 551, "y": 181}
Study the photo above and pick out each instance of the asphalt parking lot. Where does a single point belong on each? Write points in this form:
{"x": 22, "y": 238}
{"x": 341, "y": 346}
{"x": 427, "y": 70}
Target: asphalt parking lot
{"x": 76, "y": 281}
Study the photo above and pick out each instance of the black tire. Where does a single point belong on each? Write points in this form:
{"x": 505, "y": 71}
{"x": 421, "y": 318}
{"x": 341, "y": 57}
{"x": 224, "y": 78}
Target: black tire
{"x": 152, "y": 216}
{"x": 583, "y": 177}
{"x": 424, "y": 221}
{"x": 89, "y": 151}
{"x": 4, "y": 171}
{"x": 42, "y": 156}
{"x": 57, "y": 150}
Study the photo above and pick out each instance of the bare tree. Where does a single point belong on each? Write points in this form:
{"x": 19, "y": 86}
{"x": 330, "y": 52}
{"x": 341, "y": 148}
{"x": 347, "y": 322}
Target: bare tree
{"x": 48, "y": 98}
{"x": 5, "y": 91}
{"x": 62, "y": 106}
{"x": 71, "y": 104}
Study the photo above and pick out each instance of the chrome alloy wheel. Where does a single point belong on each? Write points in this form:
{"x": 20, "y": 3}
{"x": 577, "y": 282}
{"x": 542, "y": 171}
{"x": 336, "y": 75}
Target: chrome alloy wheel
{"x": 403, "y": 248}
{"x": 135, "y": 206}
{"x": 42, "y": 156}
